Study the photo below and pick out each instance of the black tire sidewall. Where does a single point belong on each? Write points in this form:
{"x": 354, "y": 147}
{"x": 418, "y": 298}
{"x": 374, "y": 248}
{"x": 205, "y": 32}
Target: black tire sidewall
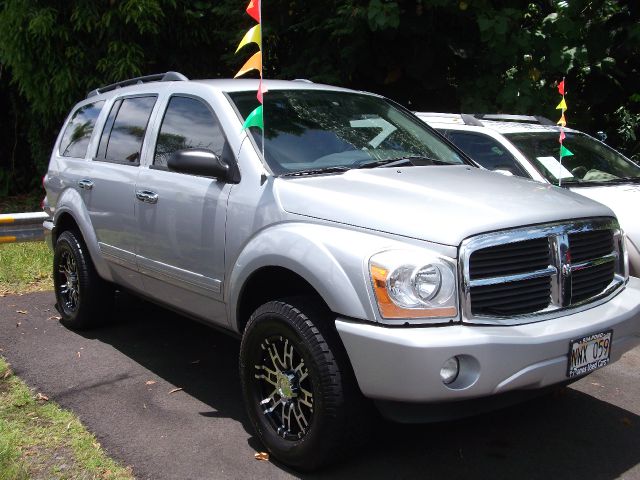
{"x": 67, "y": 242}
{"x": 313, "y": 447}
{"x": 94, "y": 296}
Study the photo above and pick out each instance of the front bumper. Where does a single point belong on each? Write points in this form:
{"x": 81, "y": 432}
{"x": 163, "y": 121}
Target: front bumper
{"x": 403, "y": 364}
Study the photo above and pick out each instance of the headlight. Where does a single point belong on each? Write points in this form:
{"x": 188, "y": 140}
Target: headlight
{"x": 413, "y": 285}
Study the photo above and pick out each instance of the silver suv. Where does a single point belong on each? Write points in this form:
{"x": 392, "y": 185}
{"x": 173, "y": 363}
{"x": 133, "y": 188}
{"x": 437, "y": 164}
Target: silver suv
{"x": 362, "y": 259}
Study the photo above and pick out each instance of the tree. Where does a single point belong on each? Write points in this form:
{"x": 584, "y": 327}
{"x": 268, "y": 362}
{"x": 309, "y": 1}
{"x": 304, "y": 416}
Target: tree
{"x": 438, "y": 55}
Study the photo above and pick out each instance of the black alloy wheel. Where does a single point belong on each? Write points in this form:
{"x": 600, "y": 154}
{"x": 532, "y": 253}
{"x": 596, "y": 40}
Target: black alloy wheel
{"x": 83, "y": 299}
{"x": 298, "y": 386}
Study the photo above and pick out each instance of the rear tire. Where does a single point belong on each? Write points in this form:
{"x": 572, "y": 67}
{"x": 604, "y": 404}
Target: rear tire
{"x": 298, "y": 386}
{"x": 83, "y": 299}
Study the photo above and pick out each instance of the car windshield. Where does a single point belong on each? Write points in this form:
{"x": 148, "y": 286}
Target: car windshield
{"x": 320, "y": 131}
{"x": 591, "y": 163}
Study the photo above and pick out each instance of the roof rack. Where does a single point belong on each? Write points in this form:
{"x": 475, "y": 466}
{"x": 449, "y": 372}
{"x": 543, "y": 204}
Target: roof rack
{"x": 516, "y": 118}
{"x": 458, "y": 118}
{"x": 158, "y": 77}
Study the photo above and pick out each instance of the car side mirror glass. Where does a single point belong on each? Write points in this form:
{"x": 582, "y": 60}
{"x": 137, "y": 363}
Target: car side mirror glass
{"x": 199, "y": 161}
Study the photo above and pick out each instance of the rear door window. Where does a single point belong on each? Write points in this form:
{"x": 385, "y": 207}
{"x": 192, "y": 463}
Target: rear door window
{"x": 487, "y": 151}
{"x": 189, "y": 123}
{"x": 77, "y": 135}
{"x": 124, "y": 131}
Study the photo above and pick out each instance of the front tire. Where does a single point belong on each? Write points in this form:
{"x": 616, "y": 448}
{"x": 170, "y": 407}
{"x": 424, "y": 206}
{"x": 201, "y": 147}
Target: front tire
{"x": 84, "y": 300}
{"x": 298, "y": 387}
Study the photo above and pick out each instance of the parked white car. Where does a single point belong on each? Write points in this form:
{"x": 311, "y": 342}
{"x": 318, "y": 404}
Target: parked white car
{"x": 527, "y": 146}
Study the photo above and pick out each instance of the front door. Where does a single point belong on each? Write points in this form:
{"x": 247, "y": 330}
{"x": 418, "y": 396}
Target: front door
{"x": 181, "y": 218}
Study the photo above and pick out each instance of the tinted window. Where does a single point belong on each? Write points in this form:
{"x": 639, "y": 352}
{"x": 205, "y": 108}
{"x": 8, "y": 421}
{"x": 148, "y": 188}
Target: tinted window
{"x": 487, "y": 151}
{"x": 75, "y": 140}
{"x": 188, "y": 123}
{"x": 126, "y": 125}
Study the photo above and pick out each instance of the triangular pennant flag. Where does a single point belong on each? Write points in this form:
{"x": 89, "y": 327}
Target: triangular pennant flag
{"x": 254, "y": 63}
{"x": 565, "y": 152}
{"x": 254, "y": 119}
{"x": 562, "y": 105}
{"x": 254, "y": 10}
{"x": 562, "y": 121}
{"x": 560, "y": 86}
{"x": 252, "y": 36}
{"x": 562, "y": 136}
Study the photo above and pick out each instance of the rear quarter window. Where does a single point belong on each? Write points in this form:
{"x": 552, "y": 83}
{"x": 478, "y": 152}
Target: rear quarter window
{"x": 77, "y": 134}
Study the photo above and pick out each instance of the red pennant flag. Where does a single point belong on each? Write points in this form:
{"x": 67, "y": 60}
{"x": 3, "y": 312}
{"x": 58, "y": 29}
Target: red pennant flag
{"x": 561, "y": 87}
{"x": 254, "y": 10}
{"x": 562, "y": 136}
{"x": 260, "y": 99}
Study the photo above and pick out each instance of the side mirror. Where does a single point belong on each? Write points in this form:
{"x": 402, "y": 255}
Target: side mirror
{"x": 506, "y": 173}
{"x": 199, "y": 161}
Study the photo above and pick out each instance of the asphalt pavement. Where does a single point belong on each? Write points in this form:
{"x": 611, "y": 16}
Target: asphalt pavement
{"x": 119, "y": 380}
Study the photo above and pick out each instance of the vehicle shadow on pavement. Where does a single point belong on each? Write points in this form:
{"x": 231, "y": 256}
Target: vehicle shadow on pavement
{"x": 565, "y": 435}
{"x": 198, "y": 358}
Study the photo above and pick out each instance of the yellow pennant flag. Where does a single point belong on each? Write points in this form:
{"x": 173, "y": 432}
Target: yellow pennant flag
{"x": 562, "y": 121}
{"x": 562, "y": 105}
{"x": 252, "y": 36}
{"x": 254, "y": 63}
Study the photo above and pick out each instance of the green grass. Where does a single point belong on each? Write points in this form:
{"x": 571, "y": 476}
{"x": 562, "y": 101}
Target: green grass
{"x": 38, "y": 439}
{"x": 25, "y": 267}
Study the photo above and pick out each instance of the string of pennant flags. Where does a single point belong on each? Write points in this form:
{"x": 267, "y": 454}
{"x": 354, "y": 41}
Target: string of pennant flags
{"x": 254, "y": 35}
{"x": 562, "y": 106}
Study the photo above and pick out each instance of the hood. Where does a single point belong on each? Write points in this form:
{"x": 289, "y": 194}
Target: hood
{"x": 442, "y": 204}
{"x": 623, "y": 200}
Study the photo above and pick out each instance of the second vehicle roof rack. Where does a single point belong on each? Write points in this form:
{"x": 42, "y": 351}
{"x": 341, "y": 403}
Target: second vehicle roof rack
{"x": 158, "y": 77}
{"x": 516, "y": 118}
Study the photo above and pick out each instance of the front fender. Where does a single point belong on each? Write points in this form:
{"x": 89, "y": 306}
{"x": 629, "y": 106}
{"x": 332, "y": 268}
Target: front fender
{"x": 332, "y": 259}
{"x": 634, "y": 258}
{"x": 70, "y": 202}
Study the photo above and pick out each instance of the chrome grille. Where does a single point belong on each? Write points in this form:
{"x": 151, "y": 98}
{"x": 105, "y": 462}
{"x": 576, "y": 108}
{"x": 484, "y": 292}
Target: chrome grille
{"x": 526, "y": 256}
{"x": 511, "y": 276}
{"x": 590, "y": 281}
{"x": 588, "y": 245}
{"x": 513, "y": 298}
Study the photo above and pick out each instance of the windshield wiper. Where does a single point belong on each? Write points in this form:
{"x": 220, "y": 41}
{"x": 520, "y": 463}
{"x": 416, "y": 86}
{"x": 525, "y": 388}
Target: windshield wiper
{"x": 395, "y": 162}
{"x": 624, "y": 180}
{"x": 600, "y": 183}
{"x": 317, "y": 171}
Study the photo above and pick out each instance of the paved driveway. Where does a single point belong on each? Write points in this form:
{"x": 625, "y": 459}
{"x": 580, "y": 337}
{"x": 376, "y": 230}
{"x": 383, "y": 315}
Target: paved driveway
{"x": 591, "y": 431}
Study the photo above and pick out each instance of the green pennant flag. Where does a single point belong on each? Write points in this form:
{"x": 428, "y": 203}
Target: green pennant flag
{"x": 565, "y": 152}
{"x": 254, "y": 119}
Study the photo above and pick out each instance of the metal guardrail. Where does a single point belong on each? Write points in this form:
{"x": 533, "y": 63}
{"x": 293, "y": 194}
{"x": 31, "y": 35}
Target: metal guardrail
{"x": 22, "y": 227}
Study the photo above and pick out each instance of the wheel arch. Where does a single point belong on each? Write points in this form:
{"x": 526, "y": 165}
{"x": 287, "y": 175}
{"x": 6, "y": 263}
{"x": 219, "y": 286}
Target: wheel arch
{"x": 285, "y": 261}
{"x": 71, "y": 214}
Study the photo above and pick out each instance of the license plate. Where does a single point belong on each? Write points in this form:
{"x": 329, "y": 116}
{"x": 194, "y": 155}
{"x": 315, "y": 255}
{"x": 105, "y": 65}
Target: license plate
{"x": 589, "y": 353}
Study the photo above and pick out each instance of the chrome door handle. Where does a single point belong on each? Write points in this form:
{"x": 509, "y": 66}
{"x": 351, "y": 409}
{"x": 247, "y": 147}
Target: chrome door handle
{"x": 147, "y": 196}
{"x": 85, "y": 184}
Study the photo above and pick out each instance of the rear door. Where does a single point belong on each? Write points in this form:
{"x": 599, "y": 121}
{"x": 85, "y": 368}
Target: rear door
{"x": 181, "y": 217}
{"x": 109, "y": 189}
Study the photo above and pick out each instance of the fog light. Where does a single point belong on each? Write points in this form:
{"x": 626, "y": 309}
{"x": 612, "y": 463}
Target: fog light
{"x": 449, "y": 371}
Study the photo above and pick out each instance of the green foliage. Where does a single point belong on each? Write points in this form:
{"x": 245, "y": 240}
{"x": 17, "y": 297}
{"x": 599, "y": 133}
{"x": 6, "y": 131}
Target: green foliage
{"x": 25, "y": 267}
{"x": 483, "y": 56}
